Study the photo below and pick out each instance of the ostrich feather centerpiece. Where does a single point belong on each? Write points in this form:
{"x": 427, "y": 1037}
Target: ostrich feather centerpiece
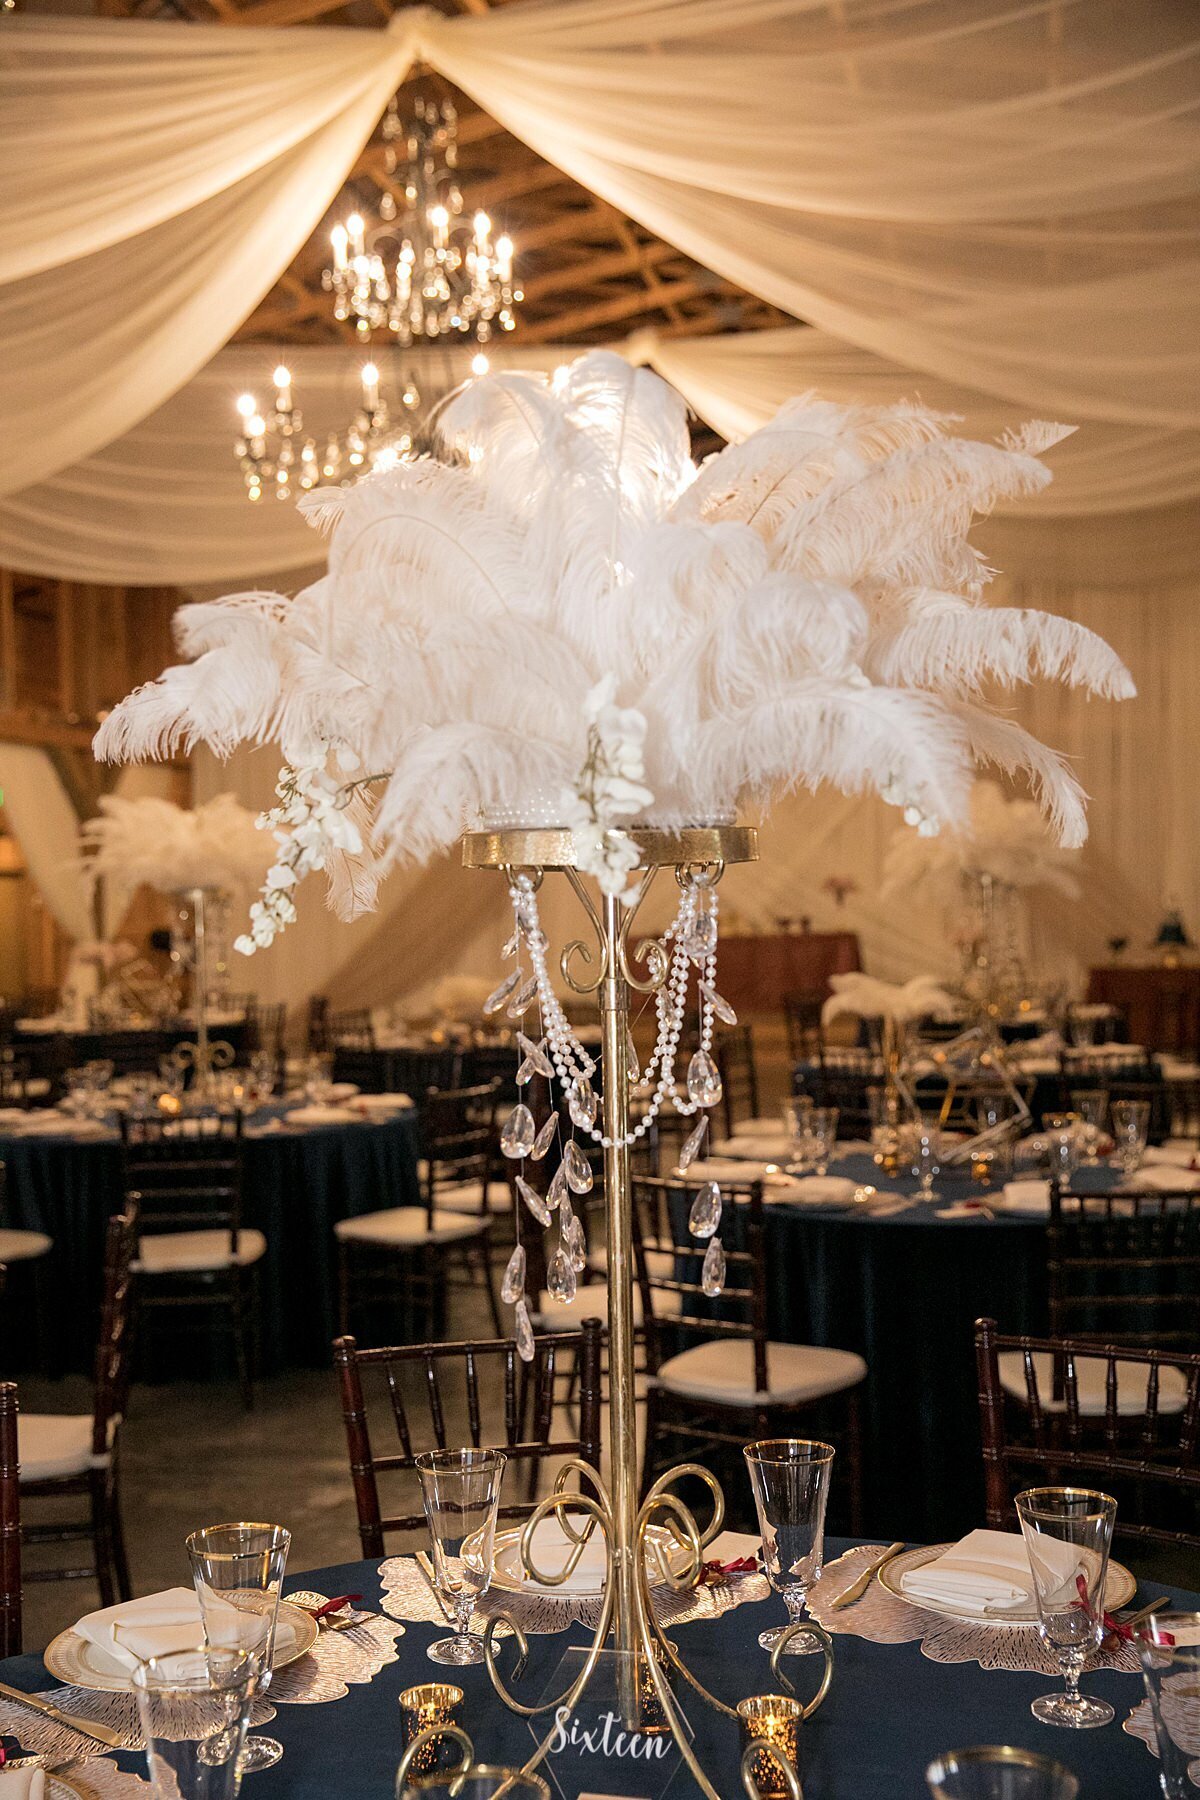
{"x": 1007, "y": 840}
{"x": 174, "y": 848}
{"x": 804, "y": 607}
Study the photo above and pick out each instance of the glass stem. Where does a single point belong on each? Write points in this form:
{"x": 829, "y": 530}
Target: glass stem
{"x": 793, "y": 1599}
{"x": 464, "y": 1605}
{"x": 1071, "y": 1662}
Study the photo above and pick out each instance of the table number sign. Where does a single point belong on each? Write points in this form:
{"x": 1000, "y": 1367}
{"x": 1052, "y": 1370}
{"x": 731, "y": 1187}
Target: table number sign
{"x": 594, "y": 1754}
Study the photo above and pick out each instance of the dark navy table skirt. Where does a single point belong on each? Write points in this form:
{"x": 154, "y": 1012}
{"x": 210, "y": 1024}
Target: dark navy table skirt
{"x": 905, "y": 1292}
{"x": 298, "y": 1184}
{"x": 889, "y": 1712}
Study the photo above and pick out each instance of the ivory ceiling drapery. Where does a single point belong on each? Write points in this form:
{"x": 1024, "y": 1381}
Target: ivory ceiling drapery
{"x": 1000, "y": 195}
{"x": 46, "y": 826}
{"x": 165, "y": 503}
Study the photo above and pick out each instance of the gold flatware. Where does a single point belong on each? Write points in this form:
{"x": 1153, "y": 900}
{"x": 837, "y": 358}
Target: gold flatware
{"x": 858, "y": 1587}
{"x": 100, "y": 1734}
{"x": 1128, "y": 1621}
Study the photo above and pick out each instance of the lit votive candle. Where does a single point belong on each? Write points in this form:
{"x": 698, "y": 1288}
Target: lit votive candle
{"x": 772, "y": 1719}
{"x": 422, "y": 1708}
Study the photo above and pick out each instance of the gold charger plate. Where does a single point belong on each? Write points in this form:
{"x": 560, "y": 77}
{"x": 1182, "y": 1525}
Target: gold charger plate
{"x": 79, "y": 1663}
{"x": 1119, "y": 1588}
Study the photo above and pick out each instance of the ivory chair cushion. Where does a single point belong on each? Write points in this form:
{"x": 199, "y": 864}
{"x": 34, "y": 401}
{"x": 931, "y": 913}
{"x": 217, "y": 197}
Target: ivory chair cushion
{"x": 197, "y": 1252}
{"x": 401, "y": 1226}
{"x": 1092, "y": 1376}
{"x": 53, "y": 1445}
{"x": 721, "y": 1373}
{"x": 23, "y": 1246}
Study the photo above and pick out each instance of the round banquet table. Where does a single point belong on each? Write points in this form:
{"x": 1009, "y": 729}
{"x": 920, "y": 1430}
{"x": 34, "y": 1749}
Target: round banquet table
{"x": 889, "y": 1711}
{"x": 298, "y": 1182}
{"x": 904, "y": 1291}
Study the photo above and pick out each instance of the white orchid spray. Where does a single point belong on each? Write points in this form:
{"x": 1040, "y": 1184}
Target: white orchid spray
{"x": 803, "y": 608}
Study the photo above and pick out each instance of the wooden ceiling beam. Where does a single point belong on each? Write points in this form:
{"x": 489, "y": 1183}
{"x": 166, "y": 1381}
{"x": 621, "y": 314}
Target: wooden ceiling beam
{"x": 284, "y": 12}
{"x": 600, "y": 268}
{"x": 610, "y": 312}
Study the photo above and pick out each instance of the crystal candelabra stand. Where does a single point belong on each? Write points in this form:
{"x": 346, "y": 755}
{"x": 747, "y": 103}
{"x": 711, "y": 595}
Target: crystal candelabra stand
{"x": 610, "y": 966}
{"x": 276, "y": 454}
{"x": 423, "y": 274}
{"x": 198, "y": 909}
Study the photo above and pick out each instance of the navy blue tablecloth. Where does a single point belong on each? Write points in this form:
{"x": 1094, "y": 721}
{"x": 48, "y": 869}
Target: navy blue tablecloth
{"x": 889, "y": 1712}
{"x": 297, "y": 1185}
{"x": 905, "y": 1292}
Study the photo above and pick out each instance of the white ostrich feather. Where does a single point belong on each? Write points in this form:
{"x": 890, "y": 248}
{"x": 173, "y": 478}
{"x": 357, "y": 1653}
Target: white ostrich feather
{"x": 164, "y": 846}
{"x": 866, "y": 997}
{"x": 804, "y": 608}
{"x": 1008, "y": 840}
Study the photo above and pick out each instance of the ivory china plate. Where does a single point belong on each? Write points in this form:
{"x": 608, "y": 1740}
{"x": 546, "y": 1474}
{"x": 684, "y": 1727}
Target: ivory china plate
{"x": 80, "y": 1663}
{"x": 551, "y": 1551}
{"x": 1119, "y": 1588}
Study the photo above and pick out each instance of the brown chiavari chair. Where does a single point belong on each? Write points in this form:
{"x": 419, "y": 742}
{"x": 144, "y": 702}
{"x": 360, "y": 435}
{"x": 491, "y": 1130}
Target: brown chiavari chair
{"x": 1141, "y": 1445}
{"x": 316, "y": 1033}
{"x": 65, "y": 1456}
{"x": 733, "y": 1049}
{"x": 352, "y": 1030}
{"x": 518, "y": 1420}
{"x": 183, "y": 1184}
{"x": 406, "y": 1255}
{"x": 841, "y": 1078}
{"x": 266, "y": 1029}
{"x": 1183, "y": 1099}
{"x": 1139, "y": 1079}
{"x": 731, "y": 1381}
{"x": 802, "y": 1020}
{"x": 10, "y": 1524}
{"x": 1125, "y": 1268}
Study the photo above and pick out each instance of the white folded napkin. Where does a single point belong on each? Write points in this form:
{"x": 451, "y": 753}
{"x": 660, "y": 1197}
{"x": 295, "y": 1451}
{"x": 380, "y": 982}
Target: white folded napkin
{"x": 773, "y": 1146}
{"x": 323, "y": 1115}
{"x": 1032, "y": 1197}
{"x": 988, "y": 1571}
{"x": 814, "y": 1190}
{"x": 1166, "y": 1180}
{"x": 157, "y": 1624}
{"x": 382, "y": 1103}
{"x": 22, "y": 1784}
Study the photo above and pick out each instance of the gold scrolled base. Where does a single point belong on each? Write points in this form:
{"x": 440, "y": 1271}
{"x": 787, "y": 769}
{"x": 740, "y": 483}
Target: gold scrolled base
{"x": 554, "y": 848}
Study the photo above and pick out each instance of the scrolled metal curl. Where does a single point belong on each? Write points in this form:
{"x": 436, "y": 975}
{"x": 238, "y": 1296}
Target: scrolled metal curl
{"x": 579, "y": 949}
{"x": 760, "y": 1747}
{"x": 431, "y": 1735}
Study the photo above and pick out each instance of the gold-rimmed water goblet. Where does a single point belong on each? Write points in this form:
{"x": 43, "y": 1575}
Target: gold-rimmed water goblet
{"x": 238, "y": 1572}
{"x": 460, "y": 1491}
{"x": 1068, "y": 1536}
{"x": 999, "y": 1772}
{"x": 789, "y": 1478}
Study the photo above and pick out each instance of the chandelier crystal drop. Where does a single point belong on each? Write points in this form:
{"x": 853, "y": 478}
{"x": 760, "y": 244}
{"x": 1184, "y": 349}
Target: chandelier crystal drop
{"x": 277, "y": 455}
{"x": 423, "y": 271}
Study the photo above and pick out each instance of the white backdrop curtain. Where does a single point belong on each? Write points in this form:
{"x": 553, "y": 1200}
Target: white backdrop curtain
{"x": 165, "y": 504}
{"x": 1000, "y": 195}
{"x": 46, "y": 826}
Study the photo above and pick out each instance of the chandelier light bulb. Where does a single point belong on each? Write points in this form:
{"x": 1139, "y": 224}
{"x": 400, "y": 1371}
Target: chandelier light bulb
{"x": 256, "y": 425}
{"x": 282, "y": 377}
{"x": 479, "y": 364}
{"x": 247, "y": 405}
{"x": 339, "y": 238}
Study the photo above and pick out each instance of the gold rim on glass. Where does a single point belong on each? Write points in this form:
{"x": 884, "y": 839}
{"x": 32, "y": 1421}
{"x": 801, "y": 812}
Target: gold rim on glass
{"x": 783, "y": 1450}
{"x": 1029, "y": 1499}
{"x": 949, "y": 1760}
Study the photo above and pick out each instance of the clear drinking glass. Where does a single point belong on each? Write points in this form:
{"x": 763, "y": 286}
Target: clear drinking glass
{"x": 789, "y": 1478}
{"x": 999, "y": 1772}
{"x": 238, "y": 1571}
{"x": 822, "y": 1135}
{"x": 921, "y": 1149}
{"x": 1062, "y": 1146}
{"x": 1169, "y": 1647}
{"x": 1068, "y": 1535}
{"x": 461, "y": 1492}
{"x": 796, "y": 1113}
{"x": 194, "y": 1706}
{"x": 1131, "y": 1127}
{"x": 1091, "y": 1105}
{"x": 318, "y": 1076}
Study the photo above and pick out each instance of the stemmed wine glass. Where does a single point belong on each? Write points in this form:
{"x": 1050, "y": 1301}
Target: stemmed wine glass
{"x": 796, "y": 1114}
{"x": 1131, "y": 1127}
{"x": 790, "y": 1481}
{"x": 1068, "y": 1535}
{"x": 461, "y": 1493}
{"x": 922, "y": 1150}
{"x": 1090, "y": 1104}
{"x": 238, "y": 1572}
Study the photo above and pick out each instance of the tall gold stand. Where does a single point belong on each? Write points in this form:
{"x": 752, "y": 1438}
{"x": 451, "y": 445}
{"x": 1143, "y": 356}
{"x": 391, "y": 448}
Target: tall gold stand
{"x": 204, "y": 1054}
{"x": 610, "y": 967}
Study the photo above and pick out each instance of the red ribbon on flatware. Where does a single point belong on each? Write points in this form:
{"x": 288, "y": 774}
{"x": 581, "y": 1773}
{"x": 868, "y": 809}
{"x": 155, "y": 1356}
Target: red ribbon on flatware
{"x": 1113, "y": 1628}
{"x": 712, "y": 1574}
{"x": 332, "y": 1606}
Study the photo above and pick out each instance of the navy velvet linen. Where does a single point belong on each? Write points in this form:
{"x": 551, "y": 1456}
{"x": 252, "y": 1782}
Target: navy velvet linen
{"x": 297, "y": 1186}
{"x": 905, "y": 1293}
{"x": 889, "y": 1712}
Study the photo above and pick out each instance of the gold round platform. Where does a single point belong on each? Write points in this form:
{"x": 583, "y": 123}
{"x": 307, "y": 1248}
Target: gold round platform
{"x": 553, "y": 848}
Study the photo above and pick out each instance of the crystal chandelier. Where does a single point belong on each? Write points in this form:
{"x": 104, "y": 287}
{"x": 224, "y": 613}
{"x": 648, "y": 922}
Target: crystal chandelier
{"x": 275, "y": 453}
{"x": 426, "y": 273}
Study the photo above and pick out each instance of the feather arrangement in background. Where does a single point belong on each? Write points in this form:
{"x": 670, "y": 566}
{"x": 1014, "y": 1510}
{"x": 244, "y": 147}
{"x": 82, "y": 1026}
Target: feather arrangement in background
{"x": 865, "y": 997}
{"x": 804, "y": 608}
{"x": 1008, "y": 840}
{"x": 167, "y": 847}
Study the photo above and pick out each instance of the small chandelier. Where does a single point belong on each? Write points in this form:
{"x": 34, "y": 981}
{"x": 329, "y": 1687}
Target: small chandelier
{"x": 276, "y": 454}
{"x": 424, "y": 274}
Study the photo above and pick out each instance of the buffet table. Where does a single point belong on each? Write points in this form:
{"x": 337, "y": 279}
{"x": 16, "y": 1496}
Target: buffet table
{"x": 891, "y": 1709}
{"x": 759, "y": 973}
{"x": 1161, "y": 1006}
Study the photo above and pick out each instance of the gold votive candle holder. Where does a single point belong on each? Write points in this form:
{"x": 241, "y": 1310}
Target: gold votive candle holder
{"x": 772, "y": 1719}
{"x": 652, "y": 1719}
{"x": 422, "y": 1709}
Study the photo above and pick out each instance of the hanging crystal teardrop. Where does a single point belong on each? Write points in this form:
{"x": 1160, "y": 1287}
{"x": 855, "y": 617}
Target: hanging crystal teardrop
{"x": 523, "y": 999}
{"x": 584, "y": 1103}
{"x": 632, "y": 1066}
{"x": 561, "y": 1280}
{"x": 556, "y": 1193}
{"x": 535, "y": 1054}
{"x": 516, "y": 1134}
{"x": 544, "y": 1138}
{"x": 511, "y": 945}
{"x": 705, "y": 1215}
{"x": 712, "y": 1275}
{"x": 575, "y": 1243}
{"x": 498, "y": 996}
{"x": 700, "y": 938}
{"x": 703, "y": 1080}
{"x": 579, "y": 1173}
{"x": 513, "y": 1285}
{"x": 718, "y": 1003}
{"x": 533, "y": 1201}
{"x": 690, "y": 1149}
{"x": 524, "y": 1332}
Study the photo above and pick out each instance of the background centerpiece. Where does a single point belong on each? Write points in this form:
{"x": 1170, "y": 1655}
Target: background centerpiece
{"x": 561, "y": 636}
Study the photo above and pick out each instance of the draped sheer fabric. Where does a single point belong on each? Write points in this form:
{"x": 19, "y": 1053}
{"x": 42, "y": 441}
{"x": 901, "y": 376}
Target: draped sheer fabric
{"x": 999, "y": 194}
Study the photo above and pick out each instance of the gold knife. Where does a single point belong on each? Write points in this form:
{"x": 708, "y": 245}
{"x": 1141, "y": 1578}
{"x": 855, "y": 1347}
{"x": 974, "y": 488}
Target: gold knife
{"x": 101, "y": 1734}
{"x": 426, "y": 1567}
{"x": 858, "y": 1588}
